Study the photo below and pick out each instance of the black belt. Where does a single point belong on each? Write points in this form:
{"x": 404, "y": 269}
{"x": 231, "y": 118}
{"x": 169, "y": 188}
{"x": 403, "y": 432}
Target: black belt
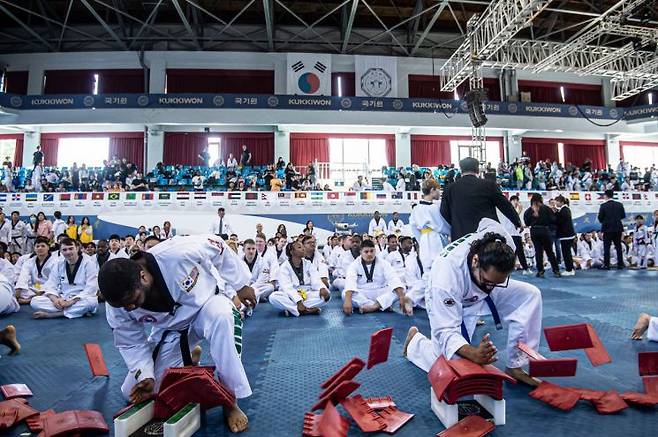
{"x": 184, "y": 346}
{"x": 494, "y": 314}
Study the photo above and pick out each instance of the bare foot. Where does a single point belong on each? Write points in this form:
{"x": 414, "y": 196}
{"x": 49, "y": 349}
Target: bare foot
{"x": 8, "y": 338}
{"x": 641, "y": 326}
{"x": 196, "y": 355}
{"x": 235, "y": 419}
{"x": 309, "y": 311}
{"x": 408, "y": 307}
{"x": 412, "y": 332}
{"x": 47, "y": 315}
{"x": 521, "y": 376}
{"x": 370, "y": 308}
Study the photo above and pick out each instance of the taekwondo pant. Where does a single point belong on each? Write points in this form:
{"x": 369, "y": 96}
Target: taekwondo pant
{"x": 262, "y": 290}
{"x": 282, "y": 301}
{"x": 338, "y": 283}
{"x": 652, "y": 332}
{"x": 430, "y": 246}
{"x": 519, "y": 305}
{"x": 8, "y": 303}
{"x": 78, "y": 309}
{"x": 640, "y": 252}
{"x": 416, "y": 292}
{"x": 385, "y": 297}
{"x": 218, "y": 321}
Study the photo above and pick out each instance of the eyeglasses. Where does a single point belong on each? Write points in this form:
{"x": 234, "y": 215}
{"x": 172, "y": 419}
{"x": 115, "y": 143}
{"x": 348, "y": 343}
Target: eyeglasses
{"x": 492, "y": 285}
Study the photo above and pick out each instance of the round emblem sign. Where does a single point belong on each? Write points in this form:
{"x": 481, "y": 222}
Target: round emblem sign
{"x": 272, "y": 101}
{"x": 143, "y": 100}
{"x": 88, "y": 101}
{"x": 345, "y": 103}
{"x": 376, "y": 82}
{"x": 16, "y": 101}
{"x": 218, "y": 101}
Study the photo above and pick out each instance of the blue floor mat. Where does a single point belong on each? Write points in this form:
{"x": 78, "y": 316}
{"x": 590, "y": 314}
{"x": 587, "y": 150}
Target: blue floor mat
{"x": 287, "y": 359}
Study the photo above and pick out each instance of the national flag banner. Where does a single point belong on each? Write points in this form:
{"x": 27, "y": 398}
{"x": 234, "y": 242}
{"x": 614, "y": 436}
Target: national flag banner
{"x": 381, "y": 196}
{"x": 15, "y": 197}
{"x": 65, "y": 197}
{"x": 199, "y": 195}
{"x": 112, "y": 196}
{"x": 300, "y": 195}
{"x": 396, "y": 195}
{"x": 588, "y": 196}
{"x": 48, "y": 197}
{"x": 234, "y": 195}
{"x": 252, "y": 195}
{"x": 363, "y": 195}
{"x": 309, "y": 74}
{"x": 217, "y": 194}
{"x": 284, "y": 195}
{"x": 263, "y": 196}
{"x": 412, "y": 196}
{"x": 574, "y": 196}
{"x": 333, "y": 195}
{"x": 97, "y": 196}
{"x": 80, "y": 196}
{"x": 182, "y": 195}
{"x": 625, "y": 196}
{"x": 164, "y": 196}
{"x": 3, "y": 197}
{"x": 600, "y": 196}
{"x": 349, "y": 194}
{"x": 637, "y": 196}
{"x": 31, "y": 197}
{"x": 316, "y": 195}
{"x": 131, "y": 196}
{"x": 148, "y": 196}
{"x": 376, "y": 76}
{"x": 645, "y": 196}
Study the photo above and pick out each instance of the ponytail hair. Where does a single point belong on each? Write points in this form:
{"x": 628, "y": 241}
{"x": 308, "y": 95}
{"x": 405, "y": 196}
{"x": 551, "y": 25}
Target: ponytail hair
{"x": 493, "y": 251}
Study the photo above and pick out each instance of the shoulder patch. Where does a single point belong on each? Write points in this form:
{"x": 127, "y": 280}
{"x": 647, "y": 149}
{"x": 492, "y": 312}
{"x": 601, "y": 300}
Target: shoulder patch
{"x": 190, "y": 280}
{"x": 217, "y": 244}
{"x": 449, "y": 302}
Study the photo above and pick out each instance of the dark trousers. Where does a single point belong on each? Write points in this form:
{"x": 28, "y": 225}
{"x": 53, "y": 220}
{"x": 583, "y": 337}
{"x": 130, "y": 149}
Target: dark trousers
{"x": 609, "y": 238}
{"x": 541, "y": 238}
{"x": 558, "y": 247}
{"x": 566, "y": 246}
{"x": 520, "y": 252}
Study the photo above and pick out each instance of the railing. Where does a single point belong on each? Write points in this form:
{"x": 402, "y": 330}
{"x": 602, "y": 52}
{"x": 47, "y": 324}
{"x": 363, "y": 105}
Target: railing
{"x": 341, "y": 175}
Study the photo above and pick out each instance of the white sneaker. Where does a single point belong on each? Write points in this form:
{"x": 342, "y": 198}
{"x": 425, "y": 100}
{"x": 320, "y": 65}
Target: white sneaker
{"x": 569, "y": 273}
{"x": 527, "y": 272}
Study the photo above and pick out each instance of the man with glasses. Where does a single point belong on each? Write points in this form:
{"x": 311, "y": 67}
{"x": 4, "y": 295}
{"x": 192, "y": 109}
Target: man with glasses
{"x": 469, "y": 278}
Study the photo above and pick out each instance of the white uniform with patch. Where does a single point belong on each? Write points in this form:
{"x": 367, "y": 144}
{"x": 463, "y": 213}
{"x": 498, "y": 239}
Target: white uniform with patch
{"x": 17, "y": 233}
{"x": 292, "y": 290}
{"x": 415, "y": 279}
{"x": 121, "y": 253}
{"x": 82, "y": 285}
{"x": 395, "y": 227}
{"x": 652, "y": 331}
{"x": 320, "y": 264}
{"x": 8, "y": 302}
{"x": 263, "y": 273}
{"x": 33, "y": 277}
{"x": 382, "y": 288}
{"x": 427, "y": 224}
{"x": 640, "y": 245}
{"x": 182, "y": 266}
{"x": 375, "y": 228}
{"x": 8, "y": 270}
{"x": 453, "y": 297}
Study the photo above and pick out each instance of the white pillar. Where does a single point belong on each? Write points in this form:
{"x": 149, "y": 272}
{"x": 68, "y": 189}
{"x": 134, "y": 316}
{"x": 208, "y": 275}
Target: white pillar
{"x": 606, "y": 91}
{"x": 35, "y": 80}
{"x": 155, "y": 148}
{"x": 282, "y": 146}
{"x": 513, "y": 147}
{"x": 403, "y": 149}
{"x": 157, "y": 76}
{"x": 30, "y": 142}
{"x": 280, "y": 76}
{"x": 612, "y": 149}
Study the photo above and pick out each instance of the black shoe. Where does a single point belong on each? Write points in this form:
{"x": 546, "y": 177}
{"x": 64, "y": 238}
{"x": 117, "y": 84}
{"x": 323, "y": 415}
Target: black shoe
{"x": 557, "y": 274}
{"x": 540, "y": 274}
{"x": 604, "y": 268}
{"x": 621, "y": 267}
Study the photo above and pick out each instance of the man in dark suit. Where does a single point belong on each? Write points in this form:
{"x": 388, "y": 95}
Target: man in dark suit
{"x": 611, "y": 213}
{"x": 470, "y": 199}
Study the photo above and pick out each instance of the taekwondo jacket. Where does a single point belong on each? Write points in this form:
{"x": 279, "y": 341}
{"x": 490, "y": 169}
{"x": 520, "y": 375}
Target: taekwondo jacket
{"x": 383, "y": 277}
{"x": 289, "y": 282}
{"x": 30, "y": 278}
{"x": 263, "y": 270}
{"x": 182, "y": 268}
{"x": 83, "y": 285}
{"x": 450, "y": 288}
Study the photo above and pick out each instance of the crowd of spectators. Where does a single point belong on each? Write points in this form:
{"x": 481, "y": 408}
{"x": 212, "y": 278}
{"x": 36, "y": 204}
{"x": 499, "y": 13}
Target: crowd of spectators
{"x": 118, "y": 174}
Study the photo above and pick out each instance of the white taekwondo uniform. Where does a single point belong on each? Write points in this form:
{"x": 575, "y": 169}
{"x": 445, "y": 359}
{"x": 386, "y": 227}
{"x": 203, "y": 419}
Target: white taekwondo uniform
{"x": 34, "y": 275}
{"x": 17, "y": 234}
{"x": 121, "y": 253}
{"x": 415, "y": 280}
{"x": 454, "y": 303}
{"x": 182, "y": 270}
{"x": 640, "y": 244}
{"x": 375, "y": 228}
{"x": 377, "y": 284}
{"x": 81, "y": 283}
{"x": 652, "y": 331}
{"x": 340, "y": 272}
{"x": 263, "y": 274}
{"x": 8, "y": 270}
{"x": 8, "y": 302}
{"x": 427, "y": 224}
{"x": 5, "y": 231}
{"x": 320, "y": 264}
{"x": 395, "y": 227}
{"x": 293, "y": 288}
